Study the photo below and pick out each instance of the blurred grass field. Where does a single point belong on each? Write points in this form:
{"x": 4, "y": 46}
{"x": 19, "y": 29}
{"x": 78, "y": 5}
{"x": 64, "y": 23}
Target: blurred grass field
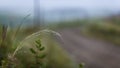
{"x": 104, "y": 30}
{"x": 108, "y": 30}
{"x": 57, "y": 57}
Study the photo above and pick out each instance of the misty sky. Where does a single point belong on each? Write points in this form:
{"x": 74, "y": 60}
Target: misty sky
{"x": 27, "y": 5}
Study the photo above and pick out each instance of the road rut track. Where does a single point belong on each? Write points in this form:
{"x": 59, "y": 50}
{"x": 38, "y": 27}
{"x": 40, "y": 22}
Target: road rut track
{"x": 93, "y": 52}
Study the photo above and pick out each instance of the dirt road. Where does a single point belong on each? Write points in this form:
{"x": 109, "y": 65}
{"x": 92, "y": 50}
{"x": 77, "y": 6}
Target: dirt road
{"x": 94, "y": 53}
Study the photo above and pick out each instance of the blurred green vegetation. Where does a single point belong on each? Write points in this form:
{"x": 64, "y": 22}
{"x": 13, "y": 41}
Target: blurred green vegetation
{"x": 105, "y": 30}
{"x": 23, "y": 39}
{"x": 67, "y": 24}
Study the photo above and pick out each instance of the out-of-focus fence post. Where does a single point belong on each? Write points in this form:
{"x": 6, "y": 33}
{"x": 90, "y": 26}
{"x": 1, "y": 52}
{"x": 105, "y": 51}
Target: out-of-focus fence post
{"x": 37, "y": 22}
